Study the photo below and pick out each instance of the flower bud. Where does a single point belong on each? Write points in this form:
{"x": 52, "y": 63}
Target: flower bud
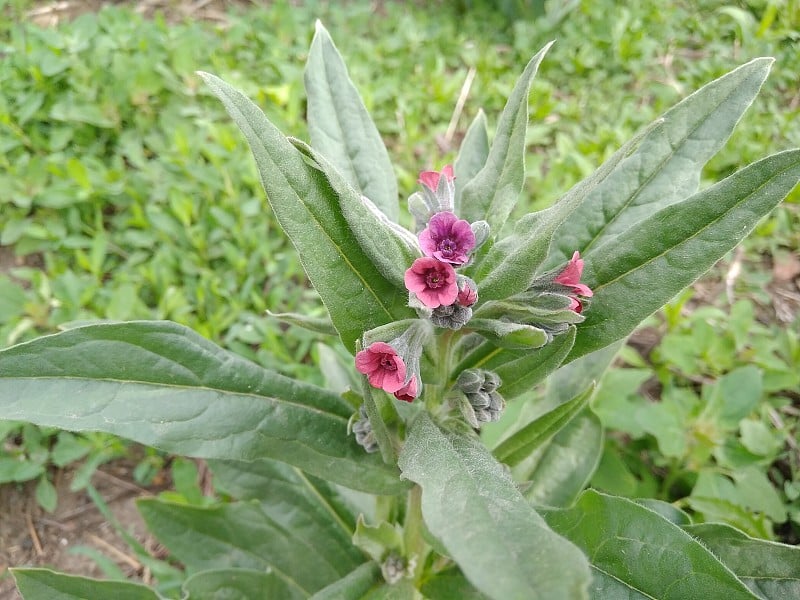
{"x": 451, "y": 317}
{"x": 480, "y": 389}
{"x": 470, "y": 381}
{"x": 480, "y": 229}
{"x": 362, "y": 429}
{"x": 467, "y": 291}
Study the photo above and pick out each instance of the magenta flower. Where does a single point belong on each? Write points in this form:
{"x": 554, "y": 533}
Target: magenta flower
{"x": 408, "y": 392}
{"x": 430, "y": 179}
{"x": 467, "y": 293}
{"x": 447, "y": 238}
{"x": 383, "y": 367}
{"x": 570, "y": 276}
{"x": 433, "y": 281}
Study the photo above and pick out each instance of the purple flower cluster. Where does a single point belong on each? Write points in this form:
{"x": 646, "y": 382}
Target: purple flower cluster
{"x": 446, "y": 243}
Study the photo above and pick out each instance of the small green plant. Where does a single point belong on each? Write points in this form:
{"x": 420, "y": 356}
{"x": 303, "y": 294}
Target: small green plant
{"x": 447, "y": 321}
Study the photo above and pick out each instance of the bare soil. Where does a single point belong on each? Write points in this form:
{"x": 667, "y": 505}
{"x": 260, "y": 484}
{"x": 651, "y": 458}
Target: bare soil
{"x": 31, "y": 537}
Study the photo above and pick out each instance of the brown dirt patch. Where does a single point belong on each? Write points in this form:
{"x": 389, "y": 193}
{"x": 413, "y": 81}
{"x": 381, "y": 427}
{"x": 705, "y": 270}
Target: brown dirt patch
{"x": 33, "y": 538}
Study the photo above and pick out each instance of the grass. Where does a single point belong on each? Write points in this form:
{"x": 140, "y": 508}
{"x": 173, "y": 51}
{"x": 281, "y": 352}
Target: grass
{"x": 126, "y": 193}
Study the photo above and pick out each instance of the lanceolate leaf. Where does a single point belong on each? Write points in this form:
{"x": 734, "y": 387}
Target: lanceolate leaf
{"x": 43, "y": 584}
{"x": 239, "y": 584}
{"x": 525, "y": 441}
{"x": 666, "y": 166}
{"x": 341, "y": 128}
{"x": 391, "y": 247}
{"x": 241, "y": 535}
{"x": 769, "y": 569}
{"x": 472, "y": 506}
{"x": 559, "y": 472}
{"x": 637, "y": 552}
{"x": 492, "y": 193}
{"x": 636, "y": 273}
{"x": 471, "y": 156}
{"x": 357, "y": 295}
{"x": 304, "y": 506}
{"x": 161, "y": 384}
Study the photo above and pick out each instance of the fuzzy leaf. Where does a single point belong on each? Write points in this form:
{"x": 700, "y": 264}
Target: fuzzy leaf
{"x": 160, "y": 384}
{"x": 492, "y": 193}
{"x": 525, "y": 441}
{"x": 638, "y": 272}
{"x": 472, "y": 506}
{"x": 666, "y": 166}
{"x": 636, "y": 552}
{"x": 355, "y": 584}
{"x": 769, "y": 569}
{"x": 358, "y": 297}
{"x": 471, "y": 156}
{"x": 341, "y": 128}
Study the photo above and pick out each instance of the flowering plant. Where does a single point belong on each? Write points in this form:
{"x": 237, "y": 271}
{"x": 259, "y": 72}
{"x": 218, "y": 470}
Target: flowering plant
{"x": 390, "y": 490}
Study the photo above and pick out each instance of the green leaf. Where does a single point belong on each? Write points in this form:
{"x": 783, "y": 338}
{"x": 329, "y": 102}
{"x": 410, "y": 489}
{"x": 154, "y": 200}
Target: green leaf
{"x": 358, "y": 297}
{"x": 566, "y": 463}
{"x": 238, "y": 584}
{"x": 309, "y": 508}
{"x": 341, "y": 128}
{"x": 43, "y": 584}
{"x": 321, "y": 325}
{"x": 374, "y": 404}
{"x": 525, "y": 441}
{"x": 492, "y": 193}
{"x": 355, "y": 584}
{"x": 473, "y": 507}
{"x": 513, "y": 263}
{"x": 471, "y": 156}
{"x": 636, "y": 551}
{"x": 46, "y": 494}
{"x": 161, "y": 384}
{"x": 665, "y": 168}
{"x": 670, "y": 512}
{"x": 390, "y": 246}
{"x": 638, "y": 272}
{"x": 241, "y": 535}
{"x": 450, "y": 585}
{"x": 379, "y": 540}
{"x": 769, "y": 569}
{"x": 520, "y": 371}
{"x": 734, "y": 395}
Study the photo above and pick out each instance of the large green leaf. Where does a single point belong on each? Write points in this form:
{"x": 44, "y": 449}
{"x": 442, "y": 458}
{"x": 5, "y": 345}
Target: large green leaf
{"x": 241, "y": 535}
{"x": 472, "y": 506}
{"x": 492, "y": 193}
{"x": 358, "y": 297}
{"x": 769, "y": 569}
{"x": 450, "y": 585}
{"x": 239, "y": 584}
{"x": 636, "y": 273}
{"x": 308, "y": 508}
{"x": 161, "y": 384}
{"x": 666, "y": 166}
{"x": 341, "y": 128}
{"x": 637, "y": 553}
{"x": 43, "y": 584}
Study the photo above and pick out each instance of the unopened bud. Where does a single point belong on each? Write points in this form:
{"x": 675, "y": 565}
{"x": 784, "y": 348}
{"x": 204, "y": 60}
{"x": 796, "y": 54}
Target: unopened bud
{"x": 362, "y": 429}
{"x": 467, "y": 291}
{"x": 451, "y": 317}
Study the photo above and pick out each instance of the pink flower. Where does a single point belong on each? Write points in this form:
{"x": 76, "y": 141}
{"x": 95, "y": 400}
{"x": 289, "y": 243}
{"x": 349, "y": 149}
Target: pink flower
{"x": 430, "y": 179}
{"x": 467, "y": 293}
{"x": 447, "y": 238}
{"x": 383, "y": 367}
{"x": 433, "y": 281}
{"x": 408, "y": 392}
{"x": 570, "y": 276}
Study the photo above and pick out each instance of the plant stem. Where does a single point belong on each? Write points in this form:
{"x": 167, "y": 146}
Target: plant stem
{"x": 415, "y": 546}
